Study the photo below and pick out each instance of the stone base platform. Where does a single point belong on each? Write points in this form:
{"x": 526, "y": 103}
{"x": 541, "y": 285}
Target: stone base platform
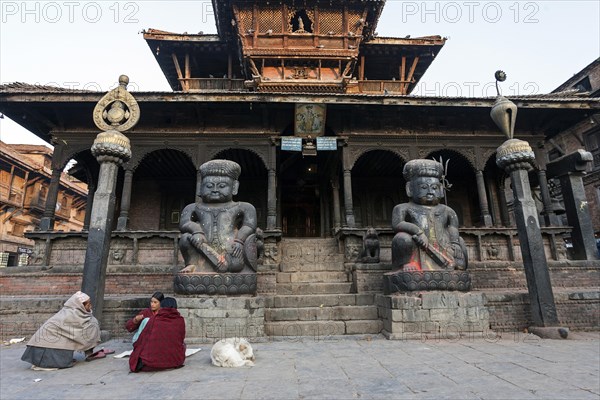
{"x": 426, "y": 315}
{"x": 402, "y": 281}
{"x": 211, "y": 284}
{"x": 212, "y": 318}
{"x": 206, "y": 318}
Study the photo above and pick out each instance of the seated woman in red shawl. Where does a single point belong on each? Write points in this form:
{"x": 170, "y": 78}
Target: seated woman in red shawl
{"x": 134, "y": 323}
{"x": 160, "y": 345}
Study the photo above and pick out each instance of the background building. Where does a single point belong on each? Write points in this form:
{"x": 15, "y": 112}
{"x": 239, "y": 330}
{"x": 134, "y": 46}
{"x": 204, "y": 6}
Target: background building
{"x": 583, "y": 135}
{"x": 25, "y": 173}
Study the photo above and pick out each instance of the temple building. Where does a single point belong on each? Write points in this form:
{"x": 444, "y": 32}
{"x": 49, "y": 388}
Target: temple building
{"x": 317, "y": 110}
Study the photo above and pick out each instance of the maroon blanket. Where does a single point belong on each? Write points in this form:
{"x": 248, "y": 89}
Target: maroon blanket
{"x": 160, "y": 345}
{"x": 131, "y": 325}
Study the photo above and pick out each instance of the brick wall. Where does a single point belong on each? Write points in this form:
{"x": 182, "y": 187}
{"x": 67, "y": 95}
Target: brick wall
{"x": 576, "y": 309}
{"x": 44, "y": 284}
{"x": 511, "y": 275}
{"x": 144, "y": 213}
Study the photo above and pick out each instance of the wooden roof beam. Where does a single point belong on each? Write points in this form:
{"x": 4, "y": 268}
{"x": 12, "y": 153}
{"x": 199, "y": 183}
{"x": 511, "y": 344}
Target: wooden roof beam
{"x": 410, "y": 74}
{"x": 179, "y": 73}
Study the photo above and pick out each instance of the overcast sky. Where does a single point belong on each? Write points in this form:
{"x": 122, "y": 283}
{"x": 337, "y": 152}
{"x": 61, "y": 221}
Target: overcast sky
{"x": 88, "y": 44}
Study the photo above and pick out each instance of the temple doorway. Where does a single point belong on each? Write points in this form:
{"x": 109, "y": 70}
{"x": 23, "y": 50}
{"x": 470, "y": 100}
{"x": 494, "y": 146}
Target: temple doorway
{"x": 304, "y": 193}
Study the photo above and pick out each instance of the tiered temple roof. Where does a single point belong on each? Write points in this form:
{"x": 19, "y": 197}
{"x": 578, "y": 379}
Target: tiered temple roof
{"x": 313, "y": 47}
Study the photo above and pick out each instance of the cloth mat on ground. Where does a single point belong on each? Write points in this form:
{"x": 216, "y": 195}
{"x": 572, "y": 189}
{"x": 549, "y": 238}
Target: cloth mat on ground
{"x": 127, "y": 353}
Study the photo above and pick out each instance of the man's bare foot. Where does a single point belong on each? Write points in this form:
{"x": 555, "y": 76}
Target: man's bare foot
{"x": 189, "y": 269}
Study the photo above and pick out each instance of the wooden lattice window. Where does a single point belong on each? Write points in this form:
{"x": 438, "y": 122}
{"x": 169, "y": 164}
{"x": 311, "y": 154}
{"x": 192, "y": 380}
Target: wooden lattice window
{"x": 245, "y": 21}
{"x": 330, "y": 23}
{"x": 354, "y": 23}
{"x": 270, "y": 20}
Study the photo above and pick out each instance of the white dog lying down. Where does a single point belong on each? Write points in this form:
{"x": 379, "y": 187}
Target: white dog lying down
{"x": 232, "y": 352}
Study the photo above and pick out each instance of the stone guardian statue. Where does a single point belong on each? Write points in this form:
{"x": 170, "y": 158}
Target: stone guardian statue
{"x": 217, "y": 233}
{"x": 427, "y": 251}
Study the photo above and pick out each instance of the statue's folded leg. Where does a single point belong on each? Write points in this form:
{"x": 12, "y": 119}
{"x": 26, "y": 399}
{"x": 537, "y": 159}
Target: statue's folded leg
{"x": 403, "y": 248}
{"x": 460, "y": 254}
{"x": 189, "y": 253}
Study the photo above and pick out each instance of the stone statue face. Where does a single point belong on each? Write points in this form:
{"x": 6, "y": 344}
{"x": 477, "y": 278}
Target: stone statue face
{"x": 426, "y": 190}
{"x": 217, "y": 189}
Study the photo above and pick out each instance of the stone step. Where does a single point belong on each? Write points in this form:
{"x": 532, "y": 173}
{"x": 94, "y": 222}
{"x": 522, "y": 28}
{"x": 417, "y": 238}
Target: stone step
{"x": 320, "y": 300}
{"x": 301, "y": 255}
{"x": 333, "y": 265}
{"x": 337, "y": 313}
{"x": 319, "y": 241}
{"x": 305, "y": 288}
{"x": 322, "y": 329}
{"x": 313, "y": 276}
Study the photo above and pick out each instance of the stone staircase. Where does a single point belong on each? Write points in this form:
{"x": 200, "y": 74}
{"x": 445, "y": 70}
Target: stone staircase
{"x": 315, "y": 295}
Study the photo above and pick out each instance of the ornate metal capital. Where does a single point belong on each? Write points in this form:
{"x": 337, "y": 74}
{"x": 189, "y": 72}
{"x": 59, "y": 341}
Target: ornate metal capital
{"x": 111, "y": 146}
{"x": 515, "y": 154}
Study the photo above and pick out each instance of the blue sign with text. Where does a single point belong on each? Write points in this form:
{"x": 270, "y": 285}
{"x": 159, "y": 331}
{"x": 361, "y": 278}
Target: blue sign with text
{"x": 327, "y": 143}
{"x": 291, "y": 143}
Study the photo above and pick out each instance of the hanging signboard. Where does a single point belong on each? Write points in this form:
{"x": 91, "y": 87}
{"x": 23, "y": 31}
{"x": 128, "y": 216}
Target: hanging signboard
{"x": 24, "y": 250}
{"x": 310, "y": 120}
{"x": 291, "y": 144}
{"x": 326, "y": 143}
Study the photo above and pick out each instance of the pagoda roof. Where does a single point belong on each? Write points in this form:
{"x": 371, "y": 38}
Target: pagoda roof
{"x": 164, "y": 44}
{"x": 223, "y": 10}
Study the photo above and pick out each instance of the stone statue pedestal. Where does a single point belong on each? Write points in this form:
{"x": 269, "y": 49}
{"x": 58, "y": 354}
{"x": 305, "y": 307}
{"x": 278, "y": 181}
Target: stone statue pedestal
{"x": 216, "y": 317}
{"x": 367, "y": 277}
{"x": 434, "y": 315}
{"x": 215, "y": 283}
{"x": 406, "y": 281}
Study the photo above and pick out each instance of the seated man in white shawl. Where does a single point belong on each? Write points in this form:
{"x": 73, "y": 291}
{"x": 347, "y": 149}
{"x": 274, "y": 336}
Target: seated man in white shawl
{"x": 72, "y": 328}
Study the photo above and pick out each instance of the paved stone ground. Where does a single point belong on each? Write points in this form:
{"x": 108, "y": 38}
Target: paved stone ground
{"x": 516, "y": 366}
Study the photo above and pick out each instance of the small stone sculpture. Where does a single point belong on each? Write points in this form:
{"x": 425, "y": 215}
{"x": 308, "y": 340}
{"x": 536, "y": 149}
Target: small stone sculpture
{"x": 370, "y": 252}
{"x": 218, "y": 234}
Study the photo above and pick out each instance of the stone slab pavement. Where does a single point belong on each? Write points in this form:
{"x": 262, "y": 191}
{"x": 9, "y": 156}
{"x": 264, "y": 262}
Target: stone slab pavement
{"x": 515, "y": 366}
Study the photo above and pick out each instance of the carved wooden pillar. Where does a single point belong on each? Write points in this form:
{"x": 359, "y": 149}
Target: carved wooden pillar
{"x": 272, "y": 200}
{"x": 504, "y": 214}
{"x": 272, "y": 185}
{"x": 125, "y": 200}
{"x": 198, "y": 184}
{"x": 337, "y": 217}
{"x": 495, "y": 202}
{"x": 548, "y": 212}
{"x": 89, "y": 204}
{"x": 483, "y": 201}
{"x": 47, "y": 222}
{"x": 348, "y": 205}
